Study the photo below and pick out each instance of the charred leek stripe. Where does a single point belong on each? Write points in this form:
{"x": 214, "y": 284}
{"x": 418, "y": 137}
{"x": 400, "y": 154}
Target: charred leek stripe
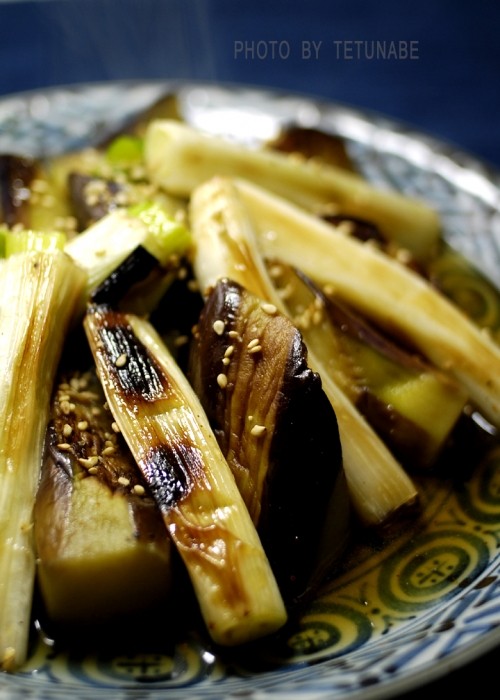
{"x": 106, "y": 244}
{"x": 38, "y": 294}
{"x": 378, "y": 485}
{"x": 168, "y": 433}
{"x": 382, "y": 289}
{"x": 179, "y": 158}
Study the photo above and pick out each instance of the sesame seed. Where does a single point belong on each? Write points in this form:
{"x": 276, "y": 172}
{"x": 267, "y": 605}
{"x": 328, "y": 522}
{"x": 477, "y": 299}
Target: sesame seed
{"x": 258, "y": 430}
{"x": 181, "y": 340}
{"x": 254, "y": 349}
{"x": 82, "y": 425}
{"x": 219, "y": 326}
{"x": 115, "y": 427}
{"x": 64, "y": 397}
{"x": 139, "y": 490}
{"x": 110, "y": 450}
{"x": 92, "y": 470}
{"x": 67, "y": 430}
{"x": 123, "y": 481}
{"x": 66, "y": 407}
{"x": 229, "y": 351}
{"x": 222, "y": 380}
{"x": 89, "y": 461}
{"x": 253, "y": 343}
{"x": 64, "y": 446}
{"x": 122, "y": 360}
{"x": 234, "y": 334}
{"x": 269, "y": 309}
{"x": 226, "y": 361}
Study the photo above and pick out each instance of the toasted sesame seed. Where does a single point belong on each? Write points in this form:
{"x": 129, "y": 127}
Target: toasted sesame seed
{"x": 234, "y": 334}
{"x": 115, "y": 427}
{"x": 270, "y": 309}
{"x": 64, "y": 446}
{"x": 123, "y": 480}
{"x": 181, "y": 340}
{"x": 66, "y": 407}
{"x": 258, "y": 430}
{"x": 82, "y": 425}
{"x": 253, "y": 343}
{"x": 222, "y": 380}
{"x": 110, "y": 450}
{"x": 226, "y": 361}
{"x": 254, "y": 349}
{"x": 121, "y": 360}
{"x": 89, "y": 461}
{"x": 229, "y": 351}
{"x": 139, "y": 489}
{"x": 219, "y": 326}
{"x": 67, "y": 430}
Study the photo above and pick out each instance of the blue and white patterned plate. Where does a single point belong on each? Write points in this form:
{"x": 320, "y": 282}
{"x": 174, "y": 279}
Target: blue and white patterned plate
{"x": 430, "y": 597}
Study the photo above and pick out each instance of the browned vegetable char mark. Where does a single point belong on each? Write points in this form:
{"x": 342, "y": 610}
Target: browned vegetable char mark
{"x": 275, "y": 426}
{"x": 169, "y": 468}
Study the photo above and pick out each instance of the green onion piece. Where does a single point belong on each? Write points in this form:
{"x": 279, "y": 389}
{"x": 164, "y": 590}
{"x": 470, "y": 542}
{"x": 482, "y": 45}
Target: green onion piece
{"x": 125, "y": 151}
{"x": 165, "y": 235}
{"x": 29, "y": 241}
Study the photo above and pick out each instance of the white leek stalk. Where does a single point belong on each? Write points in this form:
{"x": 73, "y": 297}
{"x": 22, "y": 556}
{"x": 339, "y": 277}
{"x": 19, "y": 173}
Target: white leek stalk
{"x": 178, "y": 158}
{"x": 384, "y": 290}
{"x": 39, "y": 290}
{"x": 103, "y": 246}
{"x": 225, "y": 246}
{"x": 168, "y": 433}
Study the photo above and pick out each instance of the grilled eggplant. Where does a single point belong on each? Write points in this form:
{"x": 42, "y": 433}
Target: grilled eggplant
{"x": 29, "y": 198}
{"x": 225, "y": 245}
{"x": 171, "y": 440}
{"x": 277, "y": 430}
{"x": 385, "y": 291}
{"x": 413, "y": 406}
{"x": 104, "y": 554}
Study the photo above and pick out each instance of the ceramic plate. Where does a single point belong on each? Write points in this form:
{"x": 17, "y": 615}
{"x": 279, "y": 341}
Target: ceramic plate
{"x": 410, "y": 607}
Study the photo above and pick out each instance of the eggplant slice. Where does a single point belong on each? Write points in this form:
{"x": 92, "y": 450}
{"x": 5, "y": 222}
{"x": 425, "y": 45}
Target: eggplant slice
{"x": 278, "y": 431}
{"x": 103, "y": 550}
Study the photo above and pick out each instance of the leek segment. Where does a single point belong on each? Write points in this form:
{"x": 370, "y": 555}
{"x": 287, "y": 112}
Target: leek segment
{"x": 179, "y": 158}
{"x": 411, "y": 405}
{"x": 383, "y": 290}
{"x": 378, "y": 485}
{"x": 103, "y": 246}
{"x": 170, "y": 438}
{"x": 38, "y": 294}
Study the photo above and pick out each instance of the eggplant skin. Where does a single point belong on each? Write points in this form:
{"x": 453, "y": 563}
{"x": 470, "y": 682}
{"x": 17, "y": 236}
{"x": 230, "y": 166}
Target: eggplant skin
{"x": 16, "y": 175}
{"x": 292, "y": 476}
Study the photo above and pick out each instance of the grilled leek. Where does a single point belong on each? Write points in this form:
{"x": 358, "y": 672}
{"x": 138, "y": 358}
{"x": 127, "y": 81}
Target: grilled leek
{"x": 384, "y": 290}
{"x": 178, "y": 158}
{"x": 169, "y": 435}
{"x": 411, "y": 405}
{"x": 106, "y": 244}
{"x": 271, "y": 418}
{"x": 225, "y": 246}
{"x": 39, "y": 290}
{"x": 103, "y": 552}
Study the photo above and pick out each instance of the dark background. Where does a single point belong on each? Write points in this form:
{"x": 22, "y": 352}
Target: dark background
{"x": 449, "y": 88}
